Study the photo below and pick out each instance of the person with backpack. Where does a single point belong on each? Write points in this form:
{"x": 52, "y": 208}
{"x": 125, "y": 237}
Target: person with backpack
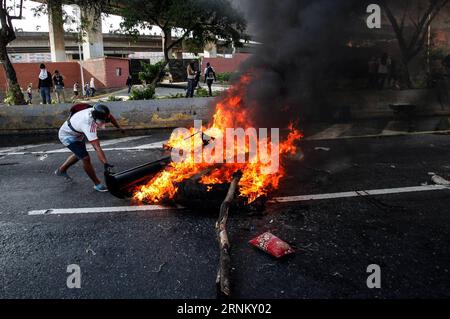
{"x": 45, "y": 84}
{"x": 210, "y": 77}
{"x": 82, "y": 125}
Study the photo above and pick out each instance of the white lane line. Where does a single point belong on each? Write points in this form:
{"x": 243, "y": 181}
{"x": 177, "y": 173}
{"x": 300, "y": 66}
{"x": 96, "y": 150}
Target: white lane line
{"x": 23, "y": 148}
{"x": 291, "y": 199}
{"x": 157, "y": 145}
{"x": 375, "y": 192}
{"x": 123, "y": 140}
{"x": 151, "y": 146}
{"x": 106, "y": 143}
{"x": 332, "y": 132}
{"x": 99, "y": 210}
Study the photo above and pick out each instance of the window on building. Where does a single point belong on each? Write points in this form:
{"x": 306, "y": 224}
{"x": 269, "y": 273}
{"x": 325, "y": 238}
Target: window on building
{"x": 118, "y": 71}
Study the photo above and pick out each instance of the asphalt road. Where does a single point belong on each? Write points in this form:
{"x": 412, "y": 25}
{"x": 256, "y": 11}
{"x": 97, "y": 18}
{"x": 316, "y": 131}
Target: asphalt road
{"x": 174, "y": 254}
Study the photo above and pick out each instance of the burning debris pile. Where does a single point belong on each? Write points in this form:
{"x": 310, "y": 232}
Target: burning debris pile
{"x": 282, "y": 83}
{"x": 209, "y": 158}
{"x": 259, "y": 160}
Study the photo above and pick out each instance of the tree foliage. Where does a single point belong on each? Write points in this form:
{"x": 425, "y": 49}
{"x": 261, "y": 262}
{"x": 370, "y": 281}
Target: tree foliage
{"x": 402, "y": 18}
{"x": 195, "y": 21}
{"x": 9, "y": 11}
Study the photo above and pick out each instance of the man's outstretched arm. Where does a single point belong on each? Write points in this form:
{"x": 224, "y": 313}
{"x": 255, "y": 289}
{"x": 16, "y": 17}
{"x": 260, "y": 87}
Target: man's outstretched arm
{"x": 98, "y": 149}
{"x": 116, "y": 124}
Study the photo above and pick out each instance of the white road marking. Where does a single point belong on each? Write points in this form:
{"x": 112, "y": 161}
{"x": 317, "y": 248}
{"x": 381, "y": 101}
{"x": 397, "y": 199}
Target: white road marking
{"x": 376, "y": 192}
{"x": 22, "y": 148}
{"x": 123, "y": 140}
{"x": 108, "y": 143}
{"x": 291, "y": 199}
{"x": 99, "y": 210}
{"x": 332, "y": 132}
{"x": 157, "y": 145}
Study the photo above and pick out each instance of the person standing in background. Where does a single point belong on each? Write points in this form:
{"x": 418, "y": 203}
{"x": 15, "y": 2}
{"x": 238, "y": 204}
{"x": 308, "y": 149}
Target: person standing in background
{"x": 76, "y": 88}
{"x": 198, "y": 75}
{"x": 92, "y": 86}
{"x": 45, "y": 84}
{"x": 30, "y": 94}
{"x": 87, "y": 89}
{"x": 58, "y": 81}
{"x": 191, "y": 79}
{"x": 383, "y": 70}
{"x": 129, "y": 83}
{"x": 210, "y": 77}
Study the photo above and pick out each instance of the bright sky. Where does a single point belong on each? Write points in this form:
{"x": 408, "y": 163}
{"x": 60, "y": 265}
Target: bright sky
{"x": 32, "y": 23}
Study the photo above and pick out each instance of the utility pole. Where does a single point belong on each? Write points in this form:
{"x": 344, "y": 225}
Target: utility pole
{"x": 429, "y": 45}
{"x": 77, "y": 12}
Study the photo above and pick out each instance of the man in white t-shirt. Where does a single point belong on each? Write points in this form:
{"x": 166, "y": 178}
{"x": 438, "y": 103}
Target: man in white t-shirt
{"x": 81, "y": 126}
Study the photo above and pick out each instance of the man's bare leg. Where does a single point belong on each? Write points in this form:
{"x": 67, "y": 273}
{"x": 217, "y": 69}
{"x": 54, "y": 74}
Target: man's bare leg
{"x": 72, "y": 160}
{"x": 89, "y": 169}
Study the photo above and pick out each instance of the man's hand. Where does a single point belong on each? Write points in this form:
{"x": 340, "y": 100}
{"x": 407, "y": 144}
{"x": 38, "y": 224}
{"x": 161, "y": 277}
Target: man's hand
{"x": 108, "y": 166}
{"x": 108, "y": 169}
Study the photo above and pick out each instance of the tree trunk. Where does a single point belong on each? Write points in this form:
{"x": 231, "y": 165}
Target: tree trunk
{"x": 406, "y": 73}
{"x": 160, "y": 74}
{"x": 13, "y": 90}
{"x": 167, "y": 38}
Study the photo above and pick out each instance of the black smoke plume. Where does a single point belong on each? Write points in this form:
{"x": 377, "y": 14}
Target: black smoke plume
{"x": 303, "y": 45}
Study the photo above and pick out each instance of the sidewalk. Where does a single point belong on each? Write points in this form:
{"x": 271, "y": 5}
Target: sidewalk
{"x": 165, "y": 90}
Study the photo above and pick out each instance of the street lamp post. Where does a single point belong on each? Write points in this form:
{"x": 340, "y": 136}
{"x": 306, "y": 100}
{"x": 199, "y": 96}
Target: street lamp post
{"x": 77, "y": 13}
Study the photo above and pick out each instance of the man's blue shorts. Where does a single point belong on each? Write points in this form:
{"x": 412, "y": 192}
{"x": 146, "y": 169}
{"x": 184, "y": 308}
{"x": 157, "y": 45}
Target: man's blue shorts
{"x": 79, "y": 149}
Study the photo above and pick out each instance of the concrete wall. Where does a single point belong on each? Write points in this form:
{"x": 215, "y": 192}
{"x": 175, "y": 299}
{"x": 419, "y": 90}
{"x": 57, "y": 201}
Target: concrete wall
{"x": 28, "y": 73}
{"x": 132, "y": 114}
{"x": 222, "y": 65}
{"x": 102, "y": 69}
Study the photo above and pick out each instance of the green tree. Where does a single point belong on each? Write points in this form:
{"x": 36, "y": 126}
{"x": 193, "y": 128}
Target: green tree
{"x": 149, "y": 71}
{"x": 7, "y": 35}
{"x": 196, "y": 21}
{"x": 13, "y": 10}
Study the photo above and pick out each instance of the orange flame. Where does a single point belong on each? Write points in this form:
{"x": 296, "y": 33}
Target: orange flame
{"x": 229, "y": 113}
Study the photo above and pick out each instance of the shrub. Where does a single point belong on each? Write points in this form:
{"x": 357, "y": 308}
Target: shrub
{"x": 113, "y": 98}
{"x": 9, "y": 98}
{"x": 150, "y": 71}
{"x": 224, "y": 77}
{"x": 148, "y": 93}
{"x": 202, "y": 92}
{"x": 177, "y": 96}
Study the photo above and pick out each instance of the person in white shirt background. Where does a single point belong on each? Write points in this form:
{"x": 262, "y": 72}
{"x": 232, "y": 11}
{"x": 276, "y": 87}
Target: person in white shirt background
{"x": 92, "y": 87}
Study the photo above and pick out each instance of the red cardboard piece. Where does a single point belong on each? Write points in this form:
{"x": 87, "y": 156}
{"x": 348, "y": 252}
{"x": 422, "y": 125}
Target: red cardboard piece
{"x": 272, "y": 245}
